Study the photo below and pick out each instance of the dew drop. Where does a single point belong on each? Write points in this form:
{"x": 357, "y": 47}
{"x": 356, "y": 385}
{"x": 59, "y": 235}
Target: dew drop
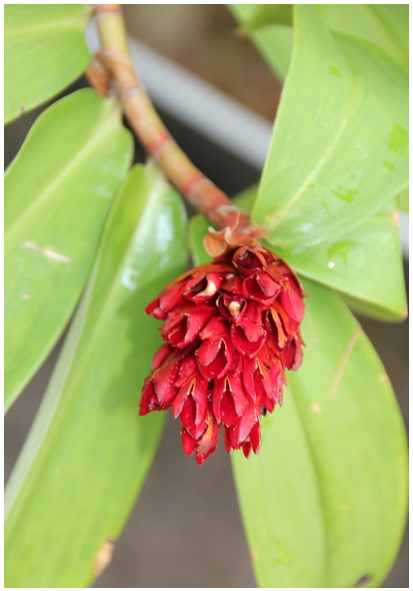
{"x": 338, "y": 253}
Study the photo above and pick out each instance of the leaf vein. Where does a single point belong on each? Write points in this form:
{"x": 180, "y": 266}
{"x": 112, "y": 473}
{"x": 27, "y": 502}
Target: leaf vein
{"x": 102, "y": 127}
{"x": 312, "y": 175}
{"x": 344, "y": 362}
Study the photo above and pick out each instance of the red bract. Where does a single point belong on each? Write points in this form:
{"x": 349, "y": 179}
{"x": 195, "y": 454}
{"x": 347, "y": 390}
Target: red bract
{"x": 232, "y": 328}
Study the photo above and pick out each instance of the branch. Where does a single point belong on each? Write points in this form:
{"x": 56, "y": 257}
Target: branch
{"x": 114, "y": 61}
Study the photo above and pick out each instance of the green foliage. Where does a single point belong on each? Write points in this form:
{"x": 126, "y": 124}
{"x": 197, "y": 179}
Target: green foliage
{"x": 385, "y": 25}
{"x": 364, "y": 264}
{"x": 58, "y": 192}
{"x": 44, "y": 51}
{"x": 339, "y": 147}
{"x": 324, "y": 502}
{"x": 88, "y": 452}
{"x": 267, "y": 14}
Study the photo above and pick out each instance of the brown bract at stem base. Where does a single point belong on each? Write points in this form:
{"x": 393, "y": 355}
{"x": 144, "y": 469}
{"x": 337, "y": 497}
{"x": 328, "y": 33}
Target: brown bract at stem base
{"x": 113, "y": 63}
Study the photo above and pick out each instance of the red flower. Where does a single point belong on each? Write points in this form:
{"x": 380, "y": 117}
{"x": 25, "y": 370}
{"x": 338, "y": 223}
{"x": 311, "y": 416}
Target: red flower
{"x": 231, "y": 327}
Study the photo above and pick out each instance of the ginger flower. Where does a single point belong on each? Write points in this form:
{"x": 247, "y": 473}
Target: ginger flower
{"x": 231, "y": 329}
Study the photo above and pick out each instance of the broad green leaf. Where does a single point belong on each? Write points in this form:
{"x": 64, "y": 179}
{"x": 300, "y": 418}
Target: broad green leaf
{"x": 339, "y": 147}
{"x": 324, "y": 502}
{"x": 44, "y": 50}
{"x": 386, "y": 25}
{"x": 365, "y": 265}
{"x": 58, "y": 192}
{"x": 275, "y": 42}
{"x": 88, "y": 452}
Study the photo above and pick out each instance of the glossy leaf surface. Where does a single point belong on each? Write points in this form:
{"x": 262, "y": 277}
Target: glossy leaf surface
{"x": 324, "y": 502}
{"x": 365, "y": 265}
{"x": 58, "y": 192}
{"x": 88, "y": 452}
{"x": 339, "y": 147}
{"x": 44, "y": 50}
{"x": 275, "y": 42}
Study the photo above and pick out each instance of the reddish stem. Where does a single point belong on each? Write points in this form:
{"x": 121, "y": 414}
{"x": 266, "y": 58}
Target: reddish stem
{"x": 145, "y": 122}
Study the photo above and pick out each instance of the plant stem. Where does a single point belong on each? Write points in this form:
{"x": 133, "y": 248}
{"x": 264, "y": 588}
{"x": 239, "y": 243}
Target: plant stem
{"x": 145, "y": 122}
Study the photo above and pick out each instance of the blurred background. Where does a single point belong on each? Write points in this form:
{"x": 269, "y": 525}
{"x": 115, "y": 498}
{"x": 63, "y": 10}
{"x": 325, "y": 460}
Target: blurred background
{"x": 186, "y": 530}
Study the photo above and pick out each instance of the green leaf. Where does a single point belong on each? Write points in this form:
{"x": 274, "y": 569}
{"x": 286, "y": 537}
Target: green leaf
{"x": 88, "y": 452}
{"x": 349, "y": 265}
{"x": 275, "y": 42}
{"x": 324, "y": 502}
{"x": 44, "y": 49}
{"x": 339, "y": 147}
{"x": 385, "y": 25}
{"x": 268, "y": 14}
{"x": 58, "y": 192}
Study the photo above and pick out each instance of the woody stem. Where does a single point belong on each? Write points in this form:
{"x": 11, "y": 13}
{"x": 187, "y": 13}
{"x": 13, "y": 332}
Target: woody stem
{"x": 145, "y": 122}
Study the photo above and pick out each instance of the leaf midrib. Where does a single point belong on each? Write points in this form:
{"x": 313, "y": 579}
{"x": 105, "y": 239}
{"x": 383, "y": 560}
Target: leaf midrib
{"x": 325, "y": 157}
{"x": 96, "y": 329}
{"x": 102, "y": 126}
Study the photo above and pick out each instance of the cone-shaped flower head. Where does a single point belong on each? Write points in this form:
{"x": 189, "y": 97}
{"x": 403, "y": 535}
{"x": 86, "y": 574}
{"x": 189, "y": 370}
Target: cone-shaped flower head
{"x": 231, "y": 328}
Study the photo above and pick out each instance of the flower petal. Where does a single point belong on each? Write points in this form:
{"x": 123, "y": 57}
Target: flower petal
{"x": 292, "y": 302}
{"x": 261, "y": 287}
{"x": 204, "y": 287}
{"x": 249, "y": 260}
{"x": 242, "y": 428}
{"x": 248, "y": 337}
{"x": 161, "y": 355}
{"x": 188, "y": 442}
{"x": 179, "y": 400}
{"x": 276, "y": 338}
{"x": 200, "y": 394}
{"x": 149, "y": 401}
{"x": 207, "y": 444}
{"x": 164, "y": 383}
{"x": 183, "y": 325}
{"x": 169, "y": 299}
{"x": 188, "y": 369}
{"x": 215, "y": 327}
{"x": 237, "y": 391}
{"x": 214, "y": 357}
